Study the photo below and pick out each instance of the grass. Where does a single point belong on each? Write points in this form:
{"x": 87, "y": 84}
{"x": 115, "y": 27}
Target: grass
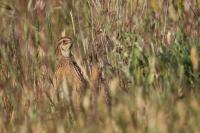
{"x": 152, "y": 54}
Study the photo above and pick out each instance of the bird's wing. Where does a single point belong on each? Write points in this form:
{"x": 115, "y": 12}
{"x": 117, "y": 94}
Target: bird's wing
{"x": 78, "y": 71}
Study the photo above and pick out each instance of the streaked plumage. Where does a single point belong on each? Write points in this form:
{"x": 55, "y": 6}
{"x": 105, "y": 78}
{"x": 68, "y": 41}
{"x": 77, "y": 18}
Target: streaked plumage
{"x": 68, "y": 69}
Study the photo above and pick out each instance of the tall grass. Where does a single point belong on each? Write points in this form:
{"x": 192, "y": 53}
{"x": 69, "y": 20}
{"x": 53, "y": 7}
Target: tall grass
{"x": 150, "y": 55}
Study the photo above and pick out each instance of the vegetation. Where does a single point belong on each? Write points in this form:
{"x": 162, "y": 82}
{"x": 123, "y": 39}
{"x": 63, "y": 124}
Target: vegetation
{"x": 151, "y": 49}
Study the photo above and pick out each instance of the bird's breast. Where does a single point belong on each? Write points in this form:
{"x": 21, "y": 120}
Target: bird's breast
{"x": 67, "y": 71}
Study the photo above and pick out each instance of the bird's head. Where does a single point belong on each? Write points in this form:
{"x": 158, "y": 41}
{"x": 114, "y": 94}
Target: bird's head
{"x": 64, "y": 46}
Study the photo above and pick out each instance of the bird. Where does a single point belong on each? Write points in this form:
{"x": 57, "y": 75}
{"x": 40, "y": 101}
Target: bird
{"x": 68, "y": 71}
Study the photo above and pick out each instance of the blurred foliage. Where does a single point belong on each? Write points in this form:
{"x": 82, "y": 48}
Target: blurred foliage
{"x": 150, "y": 49}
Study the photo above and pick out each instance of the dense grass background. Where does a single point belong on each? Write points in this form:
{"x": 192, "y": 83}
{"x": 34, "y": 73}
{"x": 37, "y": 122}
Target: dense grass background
{"x": 151, "y": 49}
